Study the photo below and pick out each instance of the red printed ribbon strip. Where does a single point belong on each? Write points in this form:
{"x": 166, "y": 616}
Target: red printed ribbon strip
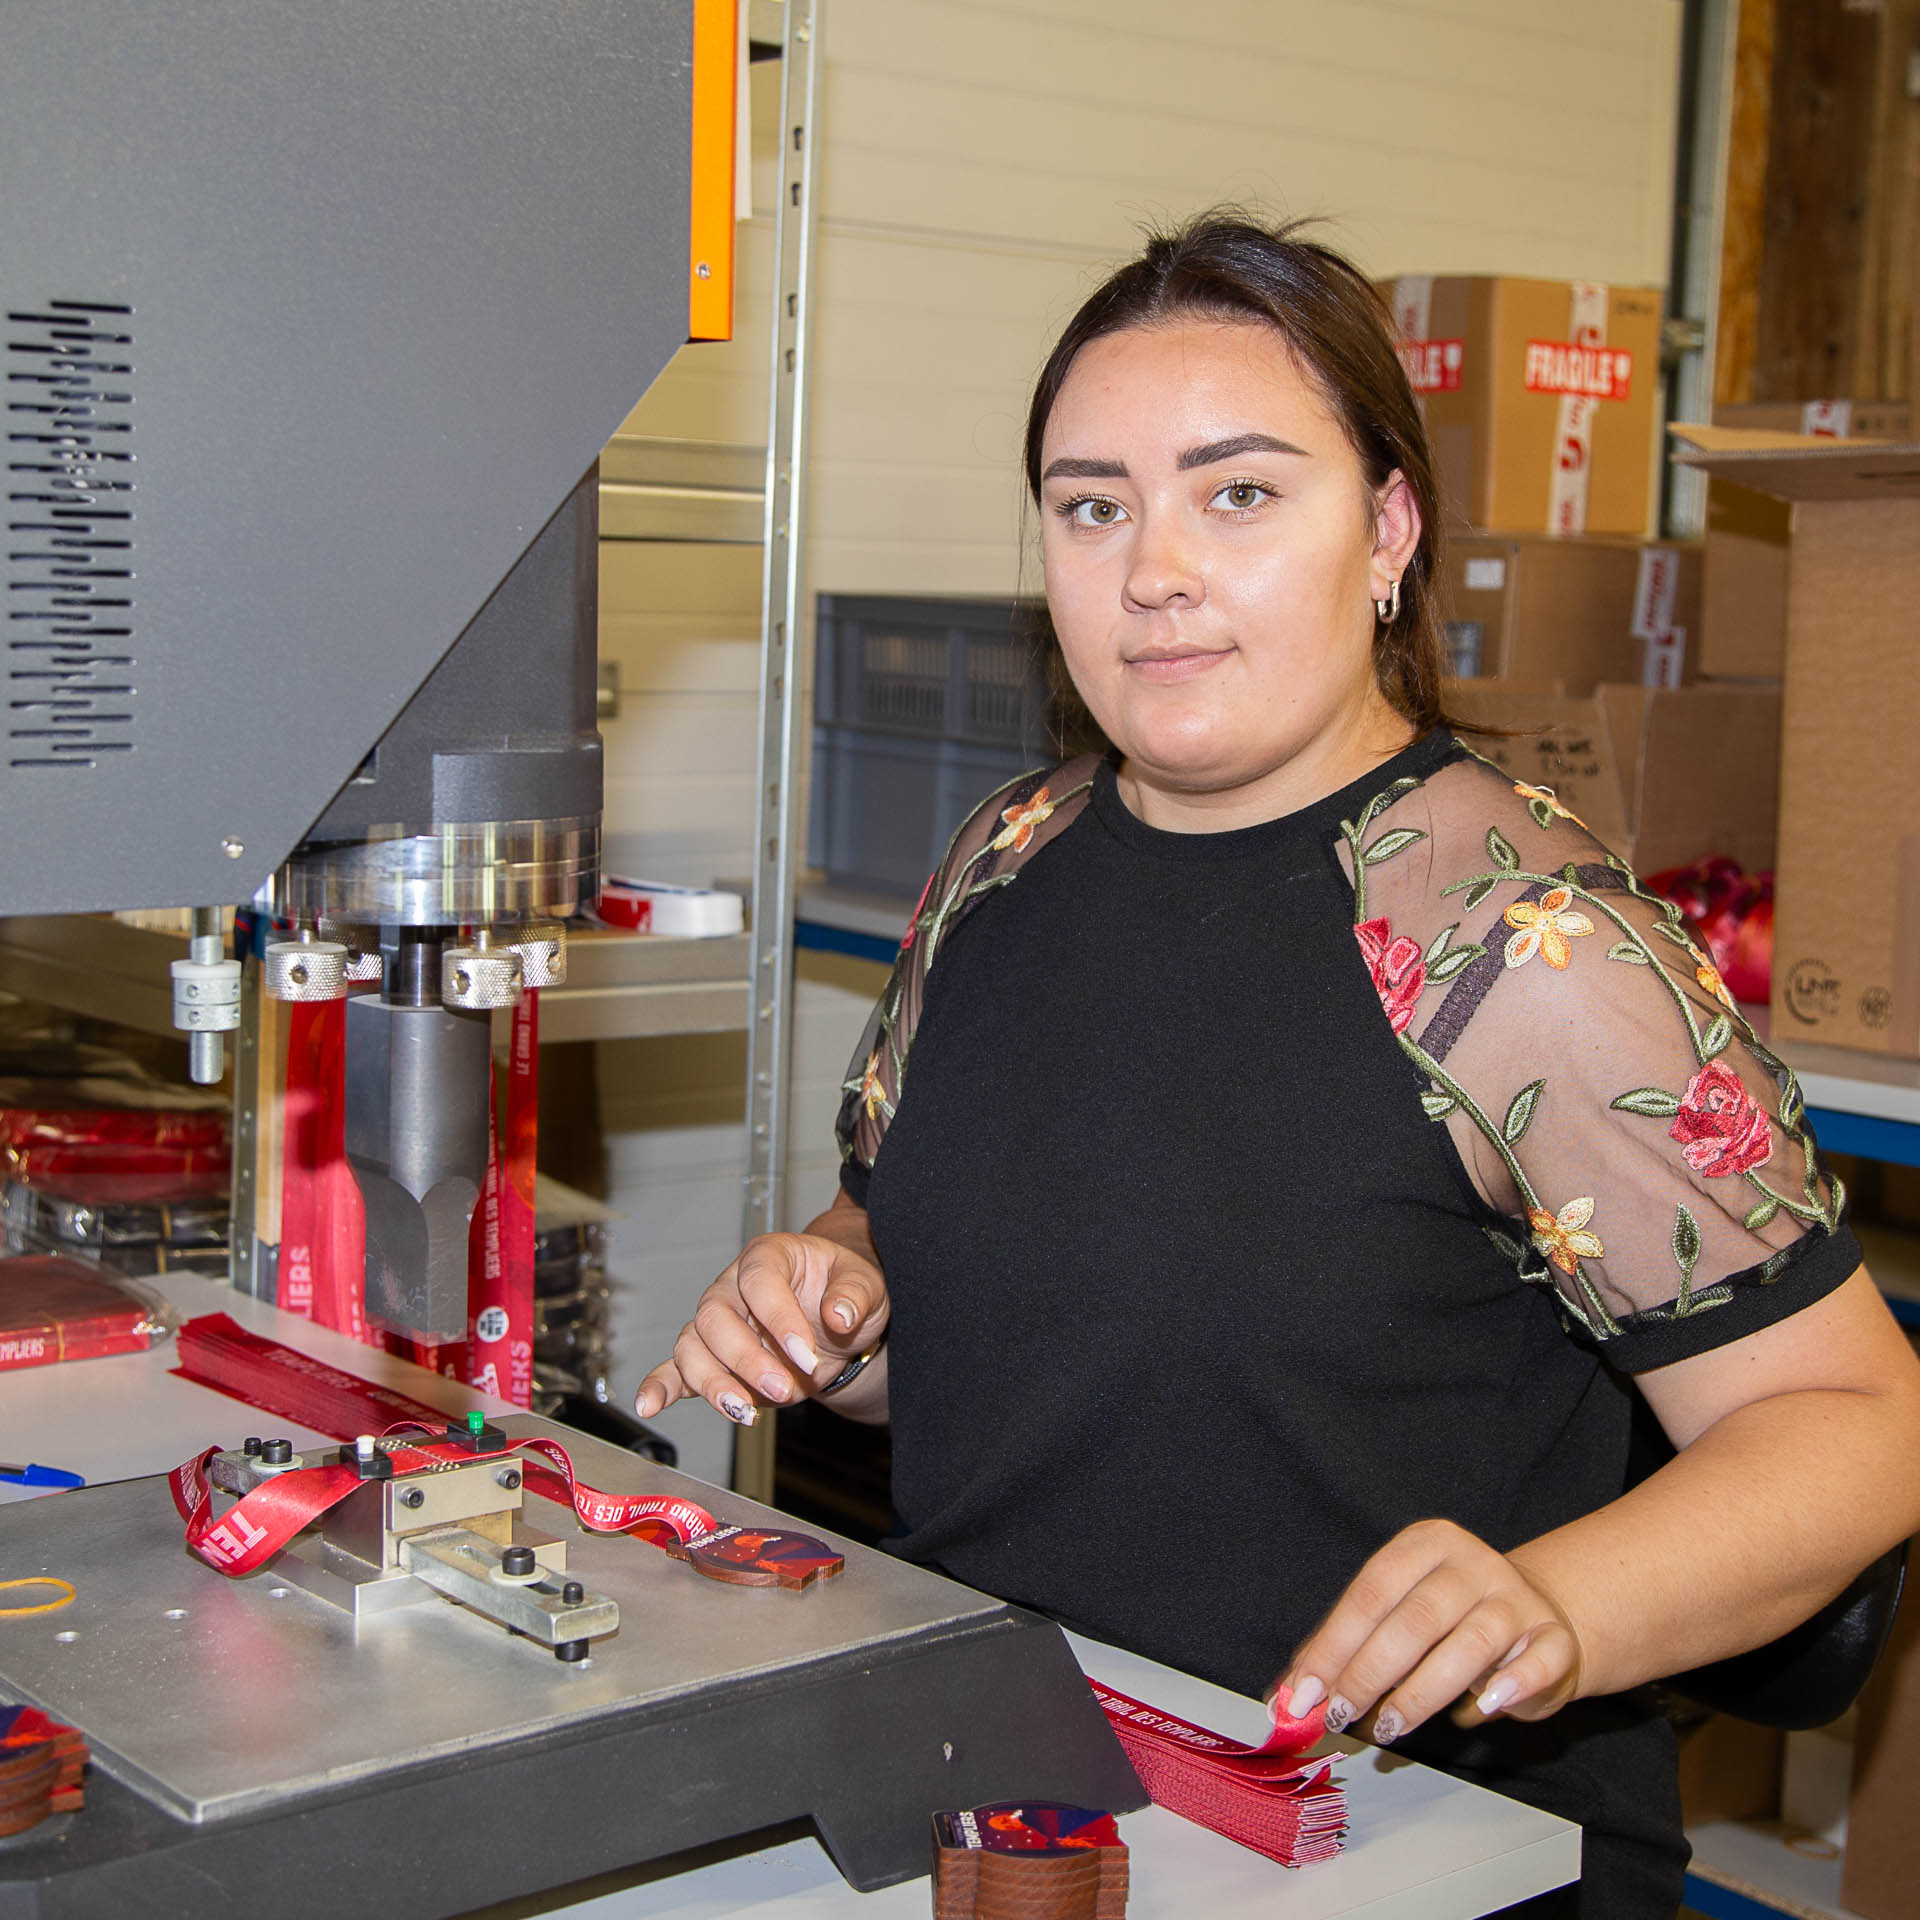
{"x": 216, "y": 1351}
{"x": 1269, "y": 1798}
{"x": 261, "y": 1523}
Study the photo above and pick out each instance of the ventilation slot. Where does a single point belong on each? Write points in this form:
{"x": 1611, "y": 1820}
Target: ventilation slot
{"x": 69, "y": 604}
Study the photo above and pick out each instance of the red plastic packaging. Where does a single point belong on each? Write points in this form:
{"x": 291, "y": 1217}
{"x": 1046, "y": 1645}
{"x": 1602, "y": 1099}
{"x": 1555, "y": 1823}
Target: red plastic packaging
{"x": 1733, "y": 913}
{"x": 53, "y": 1308}
{"x": 113, "y": 1154}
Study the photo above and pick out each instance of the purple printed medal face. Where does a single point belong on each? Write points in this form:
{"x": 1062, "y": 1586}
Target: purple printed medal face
{"x": 1030, "y": 1826}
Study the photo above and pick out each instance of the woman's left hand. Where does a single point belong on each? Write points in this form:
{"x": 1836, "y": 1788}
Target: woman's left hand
{"x": 1434, "y": 1615}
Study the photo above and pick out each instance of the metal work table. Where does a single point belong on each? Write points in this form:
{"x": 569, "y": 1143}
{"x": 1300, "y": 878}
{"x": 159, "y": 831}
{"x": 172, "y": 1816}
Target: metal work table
{"x": 1423, "y": 1844}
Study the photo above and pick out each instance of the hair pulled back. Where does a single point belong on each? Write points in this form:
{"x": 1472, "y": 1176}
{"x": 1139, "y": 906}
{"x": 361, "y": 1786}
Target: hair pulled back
{"x": 1225, "y": 265}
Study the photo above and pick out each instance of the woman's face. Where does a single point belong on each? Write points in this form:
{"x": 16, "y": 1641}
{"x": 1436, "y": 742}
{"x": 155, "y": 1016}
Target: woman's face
{"x": 1212, "y": 553}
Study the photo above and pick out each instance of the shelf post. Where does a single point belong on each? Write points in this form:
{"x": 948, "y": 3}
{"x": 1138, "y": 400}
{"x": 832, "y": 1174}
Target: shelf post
{"x": 782, "y": 624}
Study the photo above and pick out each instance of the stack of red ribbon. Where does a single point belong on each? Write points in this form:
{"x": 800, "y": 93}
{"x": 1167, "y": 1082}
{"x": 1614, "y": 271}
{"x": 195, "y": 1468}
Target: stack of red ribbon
{"x": 1270, "y": 1797}
{"x": 41, "y": 1763}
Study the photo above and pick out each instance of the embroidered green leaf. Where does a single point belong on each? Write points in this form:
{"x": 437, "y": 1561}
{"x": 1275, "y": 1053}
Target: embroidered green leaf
{"x": 1500, "y": 850}
{"x": 1792, "y": 1106}
{"x": 1479, "y": 891}
{"x": 1686, "y": 1245}
{"x": 1520, "y": 1113}
{"x": 1651, "y": 1103}
{"x": 1437, "y": 1105}
{"x": 1542, "y": 811}
{"x": 1772, "y": 1270}
{"x": 1630, "y": 951}
{"x": 1761, "y": 1213}
{"x": 1507, "y": 1245}
{"x": 1455, "y": 960}
{"x": 1838, "y": 1191}
{"x": 1398, "y": 841}
{"x": 1714, "y": 1040}
{"x": 1438, "y": 944}
{"x": 1771, "y": 1061}
{"x": 1668, "y": 931}
{"x": 1570, "y": 874}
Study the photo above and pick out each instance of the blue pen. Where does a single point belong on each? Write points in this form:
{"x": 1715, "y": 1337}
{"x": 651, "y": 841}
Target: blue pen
{"x": 32, "y": 1476}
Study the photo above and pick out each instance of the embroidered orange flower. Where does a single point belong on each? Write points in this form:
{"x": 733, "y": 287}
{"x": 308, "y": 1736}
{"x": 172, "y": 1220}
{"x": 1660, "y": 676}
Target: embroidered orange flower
{"x": 1561, "y": 1236}
{"x": 1538, "y": 797}
{"x": 872, "y": 1094}
{"x": 1709, "y": 977}
{"x": 1021, "y": 821}
{"x": 1545, "y": 929}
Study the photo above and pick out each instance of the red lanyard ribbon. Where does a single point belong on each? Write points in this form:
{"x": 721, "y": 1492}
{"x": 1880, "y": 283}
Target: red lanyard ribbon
{"x": 261, "y": 1523}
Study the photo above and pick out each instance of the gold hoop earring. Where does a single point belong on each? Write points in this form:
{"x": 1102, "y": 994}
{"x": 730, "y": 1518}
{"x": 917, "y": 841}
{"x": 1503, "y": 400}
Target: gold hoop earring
{"x": 1389, "y": 608}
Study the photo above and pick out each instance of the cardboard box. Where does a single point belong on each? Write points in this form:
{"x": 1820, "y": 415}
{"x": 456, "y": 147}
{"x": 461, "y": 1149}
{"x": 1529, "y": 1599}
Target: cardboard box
{"x": 1529, "y": 606}
{"x": 1823, "y": 419}
{"x": 1542, "y": 398}
{"x": 1846, "y": 964}
{"x": 1743, "y": 598}
{"x": 1663, "y": 776}
{"x": 1743, "y": 627}
{"x": 1881, "y": 1877}
{"x": 1729, "y": 1770}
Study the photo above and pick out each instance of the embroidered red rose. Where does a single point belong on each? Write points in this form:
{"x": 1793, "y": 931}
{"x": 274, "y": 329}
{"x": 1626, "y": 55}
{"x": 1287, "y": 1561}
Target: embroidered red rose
{"x": 1398, "y": 968}
{"x": 1721, "y": 1127}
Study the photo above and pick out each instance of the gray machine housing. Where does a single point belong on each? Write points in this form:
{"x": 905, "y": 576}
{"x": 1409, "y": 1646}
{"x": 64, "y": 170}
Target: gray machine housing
{"x": 314, "y": 319}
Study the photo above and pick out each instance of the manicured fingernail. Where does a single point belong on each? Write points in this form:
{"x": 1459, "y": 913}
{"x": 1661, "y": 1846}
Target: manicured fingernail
{"x": 776, "y": 1387}
{"x": 1497, "y": 1696}
{"x": 643, "y": 1405}
{"x": 737, "y": 1409}
{"x": 1305, "y": 1696}
{"x": 842, "y": 1315}
{"x": 1387, "y": 1727}
{"x": 802, "y": 1355}
{"x": 1339, "y": 1713}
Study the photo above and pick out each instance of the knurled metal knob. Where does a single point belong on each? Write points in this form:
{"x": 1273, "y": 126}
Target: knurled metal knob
{"x": 305, "y": 970}
{"x": 542, "y": 947}
{"x": 479, "y": 979}
{"x": 362, "y": 945}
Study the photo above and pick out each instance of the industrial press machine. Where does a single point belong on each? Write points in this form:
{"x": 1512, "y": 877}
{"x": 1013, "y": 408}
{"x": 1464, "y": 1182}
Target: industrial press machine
{"x": 316, "y": 319}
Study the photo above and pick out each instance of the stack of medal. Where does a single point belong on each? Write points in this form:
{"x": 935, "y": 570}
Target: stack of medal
{"x": 1271, "y": 1798}
{"x": 40, "y": 1767}
{"x": 1028, "y": 1860}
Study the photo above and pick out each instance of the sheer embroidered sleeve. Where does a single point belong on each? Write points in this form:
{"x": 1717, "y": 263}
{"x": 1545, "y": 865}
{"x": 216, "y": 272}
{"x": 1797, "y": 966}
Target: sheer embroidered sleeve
{"x": 1638, "y": 1148}
{"x": 993, "y": 844}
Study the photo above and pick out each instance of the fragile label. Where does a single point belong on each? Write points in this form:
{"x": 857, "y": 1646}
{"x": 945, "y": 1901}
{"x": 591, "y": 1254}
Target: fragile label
{"x": 1589, "y": 372}
{"x": 1654, "y": 591}
{"x": 1433, "y": 366}
{"x": 1662, "y": 658}
{"x": 1827, "y": 419}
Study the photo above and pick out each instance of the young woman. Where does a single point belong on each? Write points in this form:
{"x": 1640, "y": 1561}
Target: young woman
{"x": 1285, "y": 1145}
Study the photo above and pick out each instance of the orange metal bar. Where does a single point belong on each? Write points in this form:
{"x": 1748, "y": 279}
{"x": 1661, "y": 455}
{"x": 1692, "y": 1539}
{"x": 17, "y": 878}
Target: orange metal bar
{"x": 710, "y": 266}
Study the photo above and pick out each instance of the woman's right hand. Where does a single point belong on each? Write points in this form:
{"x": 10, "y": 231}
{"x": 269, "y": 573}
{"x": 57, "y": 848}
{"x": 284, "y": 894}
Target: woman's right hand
{"x": 783, "y": 1320}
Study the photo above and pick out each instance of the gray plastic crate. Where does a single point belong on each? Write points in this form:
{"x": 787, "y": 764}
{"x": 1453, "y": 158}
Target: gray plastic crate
{"x": 946, "y": 669}
{"x": 922, "y": 708}
{"x": 885, "y": 805}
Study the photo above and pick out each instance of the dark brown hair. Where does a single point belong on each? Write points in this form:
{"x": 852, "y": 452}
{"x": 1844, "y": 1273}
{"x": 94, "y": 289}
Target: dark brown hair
{"x": 1224, "y": 264}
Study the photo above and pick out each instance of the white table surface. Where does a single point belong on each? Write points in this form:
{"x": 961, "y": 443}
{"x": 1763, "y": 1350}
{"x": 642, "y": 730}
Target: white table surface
{"x": 1422, "y": 1846}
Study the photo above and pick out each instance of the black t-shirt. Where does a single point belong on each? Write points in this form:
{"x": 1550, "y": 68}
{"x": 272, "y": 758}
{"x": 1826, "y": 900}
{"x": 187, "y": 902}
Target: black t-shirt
{"x": 1235, "y": 1218}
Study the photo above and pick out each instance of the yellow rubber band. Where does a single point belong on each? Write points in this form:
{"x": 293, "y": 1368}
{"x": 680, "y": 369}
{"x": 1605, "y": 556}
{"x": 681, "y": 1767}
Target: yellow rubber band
{"x": 47, "y": 1606}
